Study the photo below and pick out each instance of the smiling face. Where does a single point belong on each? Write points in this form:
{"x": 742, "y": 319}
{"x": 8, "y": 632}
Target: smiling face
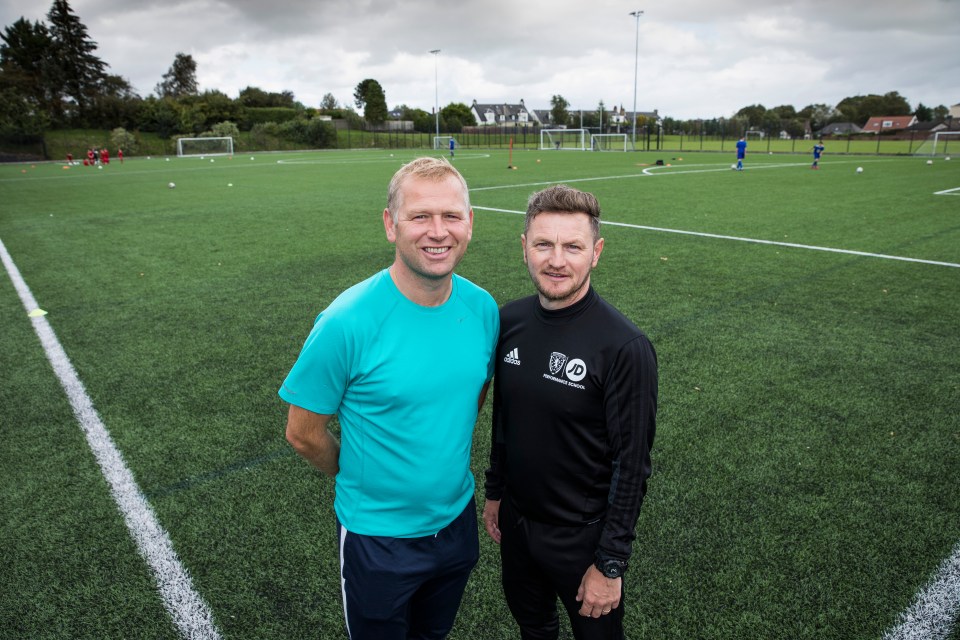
{"x": 433, "y": 227}
{"x": 560, "y": 251}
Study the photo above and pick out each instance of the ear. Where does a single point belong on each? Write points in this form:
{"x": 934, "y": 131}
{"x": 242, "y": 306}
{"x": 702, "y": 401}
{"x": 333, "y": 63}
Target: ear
{"x": 389, "y": 227}
{"x": 523, "y": 247}
{"x": 597, "y": 250}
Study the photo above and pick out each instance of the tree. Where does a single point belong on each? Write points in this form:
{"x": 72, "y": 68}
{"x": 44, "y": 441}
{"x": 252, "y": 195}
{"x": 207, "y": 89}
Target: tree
{"x": 820, "y": 115}
{"x": 160, "y": 115}
{"x": 455, "y": 116}
{"x": 180, "y": 80}
{"x": 940, "y": 113}
{"x": 771, "y": 123}
{"x": 73, "y": 66}
{"x": 923, "y": 113}
{"x": 369, "y": 96}
{"x": 199, "y": 113}
{"x": 328, "y": 103}
{"x": 558, "y": 110}
{"x": 753, "y": 114}
{"x": 422, "y": 121}
{"x": 859, "y": 109}
{"x": 785, "y": 111}
{"x": 115, "y": 105}
{"x": 24, "y": 71}
{"x": 257, "y": 98}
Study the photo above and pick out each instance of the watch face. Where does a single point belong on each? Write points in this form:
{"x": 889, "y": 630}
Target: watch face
{"x": 612, "y": 568}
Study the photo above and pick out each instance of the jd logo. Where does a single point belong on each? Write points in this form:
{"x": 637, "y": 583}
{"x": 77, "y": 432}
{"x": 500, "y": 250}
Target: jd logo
{"x": 576, "y": 370}
{"x": 557, "y": 360}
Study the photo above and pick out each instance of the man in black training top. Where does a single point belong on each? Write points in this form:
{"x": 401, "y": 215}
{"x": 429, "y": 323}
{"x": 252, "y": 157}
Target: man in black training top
{"x": 574, "y": 415}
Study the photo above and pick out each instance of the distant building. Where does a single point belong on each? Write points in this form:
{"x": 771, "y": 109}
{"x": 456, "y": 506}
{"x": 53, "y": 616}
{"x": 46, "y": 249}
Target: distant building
{"x": 878, "y": 124}
{"x": 955, "y": 111}
{"x": 504, "y": 115}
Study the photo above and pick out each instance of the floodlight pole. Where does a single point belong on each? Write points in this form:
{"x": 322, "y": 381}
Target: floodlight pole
{"x": 436, "y": 91}
{"x": 636, "y": 59}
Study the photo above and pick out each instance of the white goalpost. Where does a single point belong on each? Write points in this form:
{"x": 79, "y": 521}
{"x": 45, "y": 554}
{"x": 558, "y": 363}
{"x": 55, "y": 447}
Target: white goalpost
{"x": 941, "y": 143}
{"x": 564, "y": 139}
{"x": 187, "y": 147}
{"x": 443, "y": 142}
{"x": 608, "y": 142}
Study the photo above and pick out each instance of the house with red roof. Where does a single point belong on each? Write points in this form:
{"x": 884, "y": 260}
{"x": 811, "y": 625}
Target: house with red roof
{"x": 885, "y": 124}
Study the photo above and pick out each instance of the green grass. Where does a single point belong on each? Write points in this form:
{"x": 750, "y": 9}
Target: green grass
{"x": 806, "y": 461}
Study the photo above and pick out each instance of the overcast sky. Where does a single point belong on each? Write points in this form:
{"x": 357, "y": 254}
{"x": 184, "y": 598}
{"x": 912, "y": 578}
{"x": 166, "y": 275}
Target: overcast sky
{"x": 697, "y": 58}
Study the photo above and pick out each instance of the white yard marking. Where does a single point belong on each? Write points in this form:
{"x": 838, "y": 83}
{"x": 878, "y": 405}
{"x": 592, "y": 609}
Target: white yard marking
{"x": 755, "y": 241}
{"x": 189, "y": 612}
{"x": 935, "y": 611}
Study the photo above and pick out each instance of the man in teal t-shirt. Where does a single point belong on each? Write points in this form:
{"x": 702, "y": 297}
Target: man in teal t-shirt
{"x": 403, "y": 359}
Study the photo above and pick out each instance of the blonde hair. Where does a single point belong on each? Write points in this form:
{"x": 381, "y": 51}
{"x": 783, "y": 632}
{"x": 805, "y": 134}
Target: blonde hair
{"x": 433, "y": 169}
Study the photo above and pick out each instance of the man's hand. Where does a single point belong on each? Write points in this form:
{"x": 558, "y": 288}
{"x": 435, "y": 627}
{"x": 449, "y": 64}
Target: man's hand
{"x": 491, "y": 519}
{"x": 598, "y": 594}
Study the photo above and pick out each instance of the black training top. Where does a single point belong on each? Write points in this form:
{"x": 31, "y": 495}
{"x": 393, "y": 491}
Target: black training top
{"x": 574, "y": 415}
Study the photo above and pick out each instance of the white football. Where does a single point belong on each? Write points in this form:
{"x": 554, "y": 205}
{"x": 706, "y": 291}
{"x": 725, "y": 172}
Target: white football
{"x": 859, "y": 169}
{"x": 172, "y": 186}
{"x": 929, "y": 161}
{"x": 733, "y": 166}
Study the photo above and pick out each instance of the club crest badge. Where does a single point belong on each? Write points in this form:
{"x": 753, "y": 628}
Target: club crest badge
{"x": 557, "y": 360}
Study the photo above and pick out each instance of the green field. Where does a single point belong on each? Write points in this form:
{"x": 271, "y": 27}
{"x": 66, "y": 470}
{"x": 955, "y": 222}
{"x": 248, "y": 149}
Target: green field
{"x": 807, "y": 460}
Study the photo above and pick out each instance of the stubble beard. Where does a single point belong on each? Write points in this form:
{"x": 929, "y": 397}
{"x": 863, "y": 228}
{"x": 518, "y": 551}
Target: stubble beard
{"x": 559, "y": 295}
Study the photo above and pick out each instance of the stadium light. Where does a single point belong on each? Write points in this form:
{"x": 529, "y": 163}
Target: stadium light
{"x": 636, "y": 59}
{"x": 436, "y": 91}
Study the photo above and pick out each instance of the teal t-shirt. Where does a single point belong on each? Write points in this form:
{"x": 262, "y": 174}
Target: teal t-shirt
{"x": 404, "y": 381}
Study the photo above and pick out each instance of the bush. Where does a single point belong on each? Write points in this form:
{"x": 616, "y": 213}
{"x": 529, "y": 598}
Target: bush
{"x": 253, "y": 116}
{"x": 315, "y": 133}
{"x": 120, "y": 138}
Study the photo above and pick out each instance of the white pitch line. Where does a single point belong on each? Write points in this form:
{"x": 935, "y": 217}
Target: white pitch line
{"x": 935, "y": 611}
{"x": 948, "y": 192}
{"x": 189, "y": 612}
{"x": 757, "y": 241}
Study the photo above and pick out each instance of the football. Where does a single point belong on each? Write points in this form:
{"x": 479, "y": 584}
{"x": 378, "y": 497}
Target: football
{"x": 859, "y": 169}
{"x": 172, "y": 186}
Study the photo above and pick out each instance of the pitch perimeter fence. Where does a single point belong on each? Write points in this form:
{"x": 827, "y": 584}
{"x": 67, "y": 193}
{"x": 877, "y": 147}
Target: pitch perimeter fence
{"x": 650, "y": 139}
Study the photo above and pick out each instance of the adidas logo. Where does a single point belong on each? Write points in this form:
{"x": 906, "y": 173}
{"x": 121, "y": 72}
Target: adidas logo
{"x": 513, "y": 357}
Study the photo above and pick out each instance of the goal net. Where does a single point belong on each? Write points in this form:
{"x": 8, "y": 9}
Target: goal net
{"x": 443, "y": 142}
{"x": 204, "y": 147}
{"x": 941, "y": 143}
{"x": 564, "y": 139}
{"x": 608, "y": 142}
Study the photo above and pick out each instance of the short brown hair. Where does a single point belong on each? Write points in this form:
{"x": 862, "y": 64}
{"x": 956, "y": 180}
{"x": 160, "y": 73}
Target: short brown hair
{"x": 563, "y": 199}
{"x": 435, "y": 169}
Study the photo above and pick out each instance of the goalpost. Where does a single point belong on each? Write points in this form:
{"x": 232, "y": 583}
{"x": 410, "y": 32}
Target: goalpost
{"x": 187, "y": 147}
{"x": 608, "y": 142}
{"x": 563, "y": 139}
{"x": 443, "y": 142}
{"x": 940, "y": 144}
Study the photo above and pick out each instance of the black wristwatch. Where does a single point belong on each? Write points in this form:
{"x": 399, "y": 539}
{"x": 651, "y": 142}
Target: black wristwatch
{"x": 611, "y": 568}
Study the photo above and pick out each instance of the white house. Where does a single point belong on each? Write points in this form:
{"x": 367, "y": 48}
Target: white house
{"x": 504, "y": 115}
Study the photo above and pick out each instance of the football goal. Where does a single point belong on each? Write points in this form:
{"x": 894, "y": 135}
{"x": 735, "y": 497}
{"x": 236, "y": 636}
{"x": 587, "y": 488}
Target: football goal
{"x": 608, "y": 142}
{"x": 941, "y": 143}
{"x": 187, "y": 147}
{"x": 564, "y": 139}
{"x": 443, "y": 142}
